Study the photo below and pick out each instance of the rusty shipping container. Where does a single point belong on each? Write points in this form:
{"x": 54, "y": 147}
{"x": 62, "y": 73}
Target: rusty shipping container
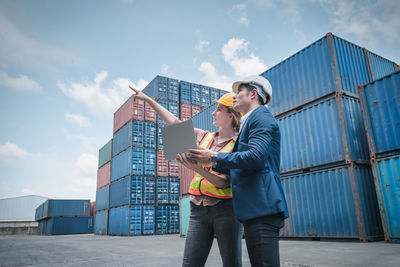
{"x": 132, "y": 109}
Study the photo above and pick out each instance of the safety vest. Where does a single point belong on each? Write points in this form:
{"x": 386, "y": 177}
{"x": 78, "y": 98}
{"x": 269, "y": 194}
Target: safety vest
{"x": 201, "y": 186}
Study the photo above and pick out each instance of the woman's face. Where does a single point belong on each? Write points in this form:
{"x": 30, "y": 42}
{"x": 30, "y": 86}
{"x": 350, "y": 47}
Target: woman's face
{"x": 222, "y": 118}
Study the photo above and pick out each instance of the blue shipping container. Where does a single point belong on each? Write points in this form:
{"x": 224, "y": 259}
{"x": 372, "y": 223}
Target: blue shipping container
{"x": 381, "y": 110}
{"x": 174, "y": 190}
{"x": 101, "y": 222}
{"x": 130, "y": 134}
{"x": 173, "y": 107}
{"x": 329, "y": 132}
{"x": 129, "y": 162}
{"x": 205, "y": 96}
{"x": 158, "y": 87}
{"x": 173, "y": 219}
{"x": 204, "y": 119}
{"x": 150, "y": 161}
{"x": 103, "y": 198}
{"x": 67, "y": 225}
{"x": 195, "y": 93}
{"x": 328, "y": 65}
{"x": 379, "y": 66}
{"x": 64, "y": 207}
{"x": 185, "y": 96}
{"x": 214, "y": 95}
{"x": 159, "y": 135}
{"x": 164, "y": 103}
{"x": 148, "y": 219}
{"x": 149, "y": 190}
{"x": 162, "y": 190}
{"x": 118, "y": 221}
{"x": 173, "y": 89}
{"x": 334, "y": 203}
{"x": 135, "y": 220}
{"x": 387, "y": 183}
{"x": 126, "y": 191}
{"x": 150, "y": 134}
{"x": 162, "y": 217}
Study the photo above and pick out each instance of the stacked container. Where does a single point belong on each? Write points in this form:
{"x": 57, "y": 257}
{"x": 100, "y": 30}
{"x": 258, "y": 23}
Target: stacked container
{"x": 380, "y": 103}
{"x": 61, "y": 217}
{"x": 141, "y": 193}
{"x": 325, "y": 168}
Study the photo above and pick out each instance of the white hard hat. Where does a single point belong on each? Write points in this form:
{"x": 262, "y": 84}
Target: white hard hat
{"x": 262, "y": 85}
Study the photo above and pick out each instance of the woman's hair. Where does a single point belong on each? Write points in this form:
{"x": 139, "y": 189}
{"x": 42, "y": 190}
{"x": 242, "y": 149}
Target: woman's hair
{"x": 236, "y": 118}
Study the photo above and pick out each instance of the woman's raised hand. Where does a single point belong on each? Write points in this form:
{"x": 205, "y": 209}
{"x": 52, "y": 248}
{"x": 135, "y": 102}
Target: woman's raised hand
{"x": 139, "y": 94}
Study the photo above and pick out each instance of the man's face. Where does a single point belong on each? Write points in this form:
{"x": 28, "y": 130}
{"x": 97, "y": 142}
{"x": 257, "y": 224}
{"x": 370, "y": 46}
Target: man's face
{"x": 242, "y": 100}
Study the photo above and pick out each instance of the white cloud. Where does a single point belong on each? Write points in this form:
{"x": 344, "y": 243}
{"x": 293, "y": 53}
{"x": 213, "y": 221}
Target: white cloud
{"x": 79, "y": 119}
{"x": 165, "y": 70}
{"x": 86, "y": 164}
{"x": 244, "y": 20}
{"x": 264, "y": 3}
{"x": 20, "y": 83}
{"x": 239, "y": 12}
{"x": 19, "y": 48}
{"x": 140, "y": 85}
{"x": 370, "y": 21}
{"x": 212, "y": 78}
{"x": 239, "y": 6}
{"x": 244, "y": 63}
{"x": 202, "y": 45}
{"x": 27, "y": 191}
{"x": 12, "y": 151}
{"x": 101, "y": 100}
{"x": 88, "y": 143}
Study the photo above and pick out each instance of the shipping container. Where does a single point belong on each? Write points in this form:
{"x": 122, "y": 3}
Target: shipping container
{"x": 162, "y": 219}
{"x": 162, "y": 164}
{"x": 165, "y": 104}
{"x": 184, "y": 215}
{"x": 174, "y": 190}
{"x": 157, "y": 88}
{"x": 150, "y": 134}
{"x": 103, "y": 175}
{"x": 328, "y": 65}
{"x": 105, "y": 153}
{"x": 149, "y": 162}
{"x": 195, "y": 109}
{"x": 204, "y": 120}
{"x": 149, "y": 113}
{"x": 387, "y": 183}
{"x": 185, "y": 96}
{"x": 186, "y": 111}
{"x": 135, "y": 220}
{"x": 64, "y": 207}
{"x": 186, "y": 178}
{"x": 379, "y": 66}
{"x": 129, "y": 162}
{"x": 149, "y": 190}
{"x": 67, "y": 225}
{"x": 162, "y": 190}
{"x": 130, "y": 134}
{"x": 381, "y": 109}
{"x": 196, "y": 94}
{"x": 101, "y": 222}
{"x": 173, "y": 219}
{"x": 173, "y": 90}
{"x": 159, "y": 135}
{"x": 205, "y": 95}
{"x": 337, "y": 203}
{"x": 330, "y": 132}
{"x": 222, "y": 93}
{"x": 148, "y": 219}
{"x": 126, "y": 191}
{"x": 92, "y": 208}
{"x": 118, "y": 221}
{"x": 214, "y": 95}
{"x": 103, "y": 198}
{"x": 132, "y": 109}
{"x": 173, "y": 169}
{"x": 173, "y": 107}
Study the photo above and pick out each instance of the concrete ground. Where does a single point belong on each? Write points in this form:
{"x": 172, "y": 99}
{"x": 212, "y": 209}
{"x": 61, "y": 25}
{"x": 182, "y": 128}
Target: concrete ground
{"x": 167, "y": 250}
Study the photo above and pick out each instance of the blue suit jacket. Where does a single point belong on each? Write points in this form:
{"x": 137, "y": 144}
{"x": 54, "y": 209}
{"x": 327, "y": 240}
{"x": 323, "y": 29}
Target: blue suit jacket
{"x": 254, "y": 168}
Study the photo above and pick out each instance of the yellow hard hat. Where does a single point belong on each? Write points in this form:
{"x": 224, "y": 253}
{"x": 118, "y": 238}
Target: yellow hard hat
{"x": 226, "y": 99}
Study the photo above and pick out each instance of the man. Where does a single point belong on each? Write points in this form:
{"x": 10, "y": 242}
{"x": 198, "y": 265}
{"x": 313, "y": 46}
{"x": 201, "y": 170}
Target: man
{"x": 258, "y": 199}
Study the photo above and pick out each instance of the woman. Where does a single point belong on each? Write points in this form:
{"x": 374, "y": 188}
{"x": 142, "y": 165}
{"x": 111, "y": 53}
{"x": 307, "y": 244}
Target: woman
{"x": 211, "y": 195}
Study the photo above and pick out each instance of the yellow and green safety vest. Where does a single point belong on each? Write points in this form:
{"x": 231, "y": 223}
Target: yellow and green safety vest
{"x": 199, "y": 185}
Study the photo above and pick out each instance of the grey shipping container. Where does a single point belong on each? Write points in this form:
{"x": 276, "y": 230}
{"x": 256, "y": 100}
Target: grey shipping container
{"x": 328, "y": 65}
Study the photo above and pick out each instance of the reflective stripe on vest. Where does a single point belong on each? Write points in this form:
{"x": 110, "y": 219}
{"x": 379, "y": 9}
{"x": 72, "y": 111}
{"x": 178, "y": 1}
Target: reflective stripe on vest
{"x": 201, "y": 186}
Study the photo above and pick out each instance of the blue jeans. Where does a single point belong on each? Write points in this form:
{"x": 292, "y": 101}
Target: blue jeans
{"x": 204, "y": 223}
{"x": 262, "y": 240}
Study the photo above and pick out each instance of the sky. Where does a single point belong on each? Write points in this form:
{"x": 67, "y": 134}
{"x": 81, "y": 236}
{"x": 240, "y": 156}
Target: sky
{"x": 65, "y": 67}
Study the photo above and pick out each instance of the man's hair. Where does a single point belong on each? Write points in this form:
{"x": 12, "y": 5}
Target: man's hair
{"x": 250, "y": 88}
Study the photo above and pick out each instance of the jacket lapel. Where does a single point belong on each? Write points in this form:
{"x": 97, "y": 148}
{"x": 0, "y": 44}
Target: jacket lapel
{"x": 243, "y": 127}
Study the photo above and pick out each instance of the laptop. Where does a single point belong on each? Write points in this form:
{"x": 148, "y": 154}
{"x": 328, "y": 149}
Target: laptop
{"x": 178, "y": 138}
